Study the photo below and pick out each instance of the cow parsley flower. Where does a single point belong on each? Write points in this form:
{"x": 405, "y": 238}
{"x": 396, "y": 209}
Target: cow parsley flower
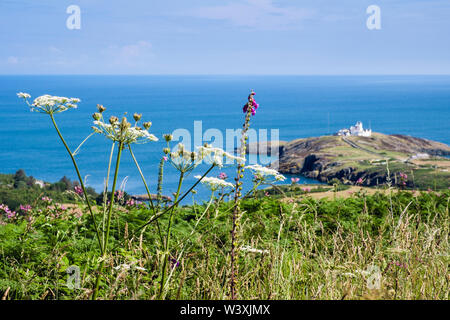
{"x": 263, "y": 173}
{"x": 217, "y": 155}
{"x": 184, "y": 160}
{"x": 50, "y": 104}
{"x": 122, "y": 132}
{"x": 215, "y": 183}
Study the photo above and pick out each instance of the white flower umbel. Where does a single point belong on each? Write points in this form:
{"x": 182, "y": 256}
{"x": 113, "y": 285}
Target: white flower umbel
{"x": 184, "y": 160}
{"x": 263, "y": 173}
{"x": 217, "y": 155}
{"x": 215, "y": 183}
{"x": 49, "y": 104}
{"x": 123, "y": 132}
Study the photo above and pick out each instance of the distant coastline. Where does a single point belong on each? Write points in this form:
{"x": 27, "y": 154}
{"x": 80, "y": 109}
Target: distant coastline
{"x": 366, "y": 159}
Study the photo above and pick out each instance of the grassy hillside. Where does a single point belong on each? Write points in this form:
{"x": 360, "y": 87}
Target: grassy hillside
{"x": 349, "y": 159}
{"x": 291, "y": 248}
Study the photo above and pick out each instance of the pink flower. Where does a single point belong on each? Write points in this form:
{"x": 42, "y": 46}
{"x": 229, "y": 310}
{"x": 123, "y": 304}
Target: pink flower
{"x": 10, "y": 214}
{"x": 252, "y": 103}
{"x": 78, "y": 190}
{"x": 119, "y": 194}
{"x": 266, "y": 194}
{"x": 295, "y": 180}
{"x": 360, "y": 181}
{"x": 223, "y": 176}
{"x": 47, "y": 200}
{"x": 165, "y": 158}
{"x": 25, "y": 209}
{"x": 307, "y": 189}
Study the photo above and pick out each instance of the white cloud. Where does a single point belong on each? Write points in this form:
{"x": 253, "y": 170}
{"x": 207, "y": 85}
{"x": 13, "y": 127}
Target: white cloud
{"x": 258, "y": 14}
{"x": 12, "y": 60}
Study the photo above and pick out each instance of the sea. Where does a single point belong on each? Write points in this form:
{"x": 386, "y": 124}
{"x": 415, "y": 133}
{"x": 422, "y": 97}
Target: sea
{"x": 291, "y": 106}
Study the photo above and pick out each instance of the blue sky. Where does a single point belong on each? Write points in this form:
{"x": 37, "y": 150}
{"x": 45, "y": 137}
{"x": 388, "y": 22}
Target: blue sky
{"x": 225, "y": 37}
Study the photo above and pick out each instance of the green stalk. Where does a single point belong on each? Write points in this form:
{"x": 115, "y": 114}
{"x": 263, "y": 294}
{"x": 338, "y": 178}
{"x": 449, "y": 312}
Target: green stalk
{"x": 236, "y": 215}
{"x": 169, "y": 228}
{"x": 156, "y": 216}
{"x": 147, "y": 189}
{"x": 108, "y": 226}
{"x": 105, "y": 190}
{"x": 81, "y": 182}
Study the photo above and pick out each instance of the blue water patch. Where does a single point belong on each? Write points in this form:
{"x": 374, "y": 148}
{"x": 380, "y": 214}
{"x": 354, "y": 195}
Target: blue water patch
{"x": 298, "y": 106}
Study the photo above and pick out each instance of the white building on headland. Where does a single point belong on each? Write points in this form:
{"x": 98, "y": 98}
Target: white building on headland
{"x": 356, "y": 130}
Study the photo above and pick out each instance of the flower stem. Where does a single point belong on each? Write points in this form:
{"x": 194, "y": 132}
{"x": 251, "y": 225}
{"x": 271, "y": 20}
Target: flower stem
{"x": 147, "y": 189}
{"x": 236, "y": 208}
{"x": 156, "y": 216}
{"x": 169, "y": 228}
{"x": 105, "y": 191}
{"x": 81, "y": 182}
{"x": 105, "y": 245}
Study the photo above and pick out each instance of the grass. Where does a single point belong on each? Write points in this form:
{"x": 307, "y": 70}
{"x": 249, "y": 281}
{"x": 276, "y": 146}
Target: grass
{"x": 312, "y": 249}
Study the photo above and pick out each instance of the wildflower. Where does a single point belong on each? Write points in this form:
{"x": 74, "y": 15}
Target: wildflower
{"x": 174, "y": 263}
{"x": 119, "y": 194}
{"x": 403, "y": 178}
{"x": 123, "y": 132}
{"x": 100, "y": 108}
{"x": 216, "y": 156}
{"x": 78, "y": 190}
{"x": 25, "y": 208}
{"x": 215, "y": 183}
{"x": 165, "y": 158}
{"x": 168, "y": 137}
{"x": 359, "y": 181}
{"x": 23, "y": 95}
{"x": 262, "y": 173}
{"x": 307, "y": 189}
{"x": 147, "y": 125}
{"x": 9, "y": 213}
{"x": 295, "y": 180}
{"x": 50, "y": 104}
{"x": 222, "y": 176}
{"x": 251, "y": 103}
{"x": 137, "y": 116}
{"x": 47, "y": 200}
{"x": 183, "y": 160}
{"x": 133, "y": 203}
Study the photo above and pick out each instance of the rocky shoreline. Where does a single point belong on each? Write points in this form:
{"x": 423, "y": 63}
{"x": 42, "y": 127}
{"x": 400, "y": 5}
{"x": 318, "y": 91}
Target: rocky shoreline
{"x": 366, "y": 159}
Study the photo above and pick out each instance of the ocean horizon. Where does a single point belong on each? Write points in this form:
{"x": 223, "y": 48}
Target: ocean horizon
{"x": 298, "y": 106}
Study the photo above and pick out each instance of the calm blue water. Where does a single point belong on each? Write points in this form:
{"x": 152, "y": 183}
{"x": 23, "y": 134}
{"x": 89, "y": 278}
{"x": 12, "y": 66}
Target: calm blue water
{"x": 299, "y": 106}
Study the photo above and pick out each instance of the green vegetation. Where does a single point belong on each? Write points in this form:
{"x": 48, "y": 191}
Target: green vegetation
{"x": 304, "y": 249}
{"x": 277, "y": 243}
{"x": 18, "y": 188}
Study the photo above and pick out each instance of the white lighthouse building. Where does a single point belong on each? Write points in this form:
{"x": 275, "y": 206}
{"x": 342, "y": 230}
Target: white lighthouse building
{"x": 356, "y": 130}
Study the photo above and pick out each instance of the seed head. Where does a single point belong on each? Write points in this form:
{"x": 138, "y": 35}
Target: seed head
{"x": 137, "y": 116}
{"x": 113, "y": 120}
{"x": 100, "y": 108}
{"x": 168, "y": 137}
